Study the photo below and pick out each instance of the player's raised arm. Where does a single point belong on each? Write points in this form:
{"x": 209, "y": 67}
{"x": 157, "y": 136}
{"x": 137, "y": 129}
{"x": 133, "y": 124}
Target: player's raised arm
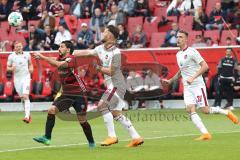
{"x": 84, "y": 53}
{"x": 10, "y": 65}
{"x": 30, "y": 65}
{"x": 50, "y": 60}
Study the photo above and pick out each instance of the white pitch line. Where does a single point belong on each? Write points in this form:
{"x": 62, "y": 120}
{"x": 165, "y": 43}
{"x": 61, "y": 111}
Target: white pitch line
{"x": 80, "y": 144}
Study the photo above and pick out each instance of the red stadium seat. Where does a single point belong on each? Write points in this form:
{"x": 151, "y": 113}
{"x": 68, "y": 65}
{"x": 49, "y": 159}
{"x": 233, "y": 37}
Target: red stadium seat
{"x": 157, "y": 39}
{"x": 150, "y": 27}
{"x": 66, "y": 8}
{"x": 186, "y": 23}
{"x": 213, "y": 34}
{"x": 161, "y": 11}
{"x": 226, "y": 33}
{"x": 133, "y": 22}
{"x": 192, "y": 35}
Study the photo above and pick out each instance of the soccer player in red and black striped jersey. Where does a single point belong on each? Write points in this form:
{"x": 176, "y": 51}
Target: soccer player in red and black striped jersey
{"x": 73, "y": 90}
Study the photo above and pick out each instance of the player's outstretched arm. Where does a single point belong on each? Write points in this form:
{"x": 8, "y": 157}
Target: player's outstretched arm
{"x": 84, "y": 53}
{"x": 50, "y": 60}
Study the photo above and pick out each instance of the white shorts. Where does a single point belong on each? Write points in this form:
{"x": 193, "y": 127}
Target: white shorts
{"x": 196, "y": 95}
{"x": 22, "y": 86}
{"x": 114, "y": 98}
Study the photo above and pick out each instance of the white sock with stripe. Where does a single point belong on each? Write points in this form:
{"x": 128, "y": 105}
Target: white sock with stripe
{"x": 126, "y": 123}
{"x": 216, "y": 110}
{"x": 198, "y": 122}
{"x": 108, "y": 119}
{"x": 27, "y": 108}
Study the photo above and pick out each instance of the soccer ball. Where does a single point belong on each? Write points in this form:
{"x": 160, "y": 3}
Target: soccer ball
{"x": 15, "y": 19}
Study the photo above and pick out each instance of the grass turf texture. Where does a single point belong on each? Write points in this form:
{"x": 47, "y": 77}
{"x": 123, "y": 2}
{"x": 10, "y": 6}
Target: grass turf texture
{"x": 165, "y": 138}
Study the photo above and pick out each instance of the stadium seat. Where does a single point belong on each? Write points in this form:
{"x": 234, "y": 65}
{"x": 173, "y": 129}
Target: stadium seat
{"x": 186, "y": 23}
{"x": 167, "y": 27}
{"x": 226, "y": 33}
{"x": 133, "y": 22}
{"x": 157, "y": 39}
{"x": 161, "y": 11}
{"x": 66, "y": 8}
{"x": 149, "y": 28}
{"x": 192, "y": 35}
{"x": 213, "y": 34}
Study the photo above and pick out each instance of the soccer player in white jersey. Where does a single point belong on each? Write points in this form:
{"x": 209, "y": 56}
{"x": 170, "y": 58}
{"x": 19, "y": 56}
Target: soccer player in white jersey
{"x": 191, "y": 67}
{"x": 111, "y": 103}
{"x": 20, "y": 64}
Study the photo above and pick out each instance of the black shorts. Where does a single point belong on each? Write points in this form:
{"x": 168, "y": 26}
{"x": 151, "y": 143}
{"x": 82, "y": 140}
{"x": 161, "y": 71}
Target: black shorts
{"x": 65, "y": 102}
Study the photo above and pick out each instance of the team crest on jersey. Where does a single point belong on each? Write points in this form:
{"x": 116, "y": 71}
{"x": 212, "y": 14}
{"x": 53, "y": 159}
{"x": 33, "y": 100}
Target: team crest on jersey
{"x": 68, "y": 59}
{"x": 106, "y": 57}
{"x": 185, "y": 56}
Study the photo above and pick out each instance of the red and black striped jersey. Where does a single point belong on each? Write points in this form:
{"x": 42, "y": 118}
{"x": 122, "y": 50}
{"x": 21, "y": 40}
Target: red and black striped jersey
{"x": 72, "y": 84}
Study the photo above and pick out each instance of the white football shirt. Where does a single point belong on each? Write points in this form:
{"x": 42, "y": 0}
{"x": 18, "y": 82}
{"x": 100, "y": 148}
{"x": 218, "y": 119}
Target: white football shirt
{"x": 21, "y": 62}
{"x": 189, "y": 61}
{"x": 111, "y": 57}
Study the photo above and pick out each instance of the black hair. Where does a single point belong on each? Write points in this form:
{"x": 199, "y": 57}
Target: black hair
{"x": 69, "y": 45}
{"x": 114, "y": 30}
{"x": 184, "y": 32}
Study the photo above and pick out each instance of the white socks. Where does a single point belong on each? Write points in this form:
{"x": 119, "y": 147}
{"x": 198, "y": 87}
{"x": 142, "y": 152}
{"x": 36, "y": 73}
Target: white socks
{"x": 198, "y": 122}
{"x": 27, "y": 108}
{"x": 108, "y": 119}
{"x": 215, "y": 110}
{"x": 126, "y": 123}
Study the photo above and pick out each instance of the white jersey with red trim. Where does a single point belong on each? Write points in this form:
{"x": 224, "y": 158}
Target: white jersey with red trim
{"x": 189, "y": 61}
{"x": 21, "y": 63}
{"x": 111, "y": 57}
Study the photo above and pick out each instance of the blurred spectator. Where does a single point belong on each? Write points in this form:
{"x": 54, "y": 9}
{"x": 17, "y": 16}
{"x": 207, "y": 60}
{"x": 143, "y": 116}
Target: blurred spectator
{"x": 29, "y": 9}
{"x": 215, "y": 19}
{"x": 174, "y": 8}
{"x": 48, "y": 4}
{"x": 236, "y": 19}
{"x": 47, "y": 20}
{"x": 49, "y": 37}
{"x": 34, "y": 39}
{"x": 141, "y": 8}
{"x": 5, "y": 9}
{"x": 78, "y": 9}
{"x": 3, "y": 45}
{"x": 199, "y": 42}
{"x": 55, "y": 7}
{"x": 85, "y": 37}
{"x": 68, "y": 21}
{"x": 93, "y": 5}
{"x": 227, "y": 5}
{"x": 229, "y": 41}
{"x": 62, "y": 35}
{"x": 210, "y": 42}
{"x": 200, "y": 19}
{"x": 126, "y": 6}
{"x": 139, "y": 39}
{"x": 110, "y": 3}
{"x": 188, "y": 7}
{"x": 96, "y": 22}
{"x": 171, "y": 36}
{"x": 152, "y": 81}
{"x": 123, "y": 39}
{"x": 115, "y": 17}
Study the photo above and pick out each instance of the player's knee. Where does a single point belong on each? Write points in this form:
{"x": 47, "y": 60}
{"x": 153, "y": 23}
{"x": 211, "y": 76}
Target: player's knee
{"x": 116, "y": 113}
{"x": 25, "y": 97}
{"x": 52, "y": 110}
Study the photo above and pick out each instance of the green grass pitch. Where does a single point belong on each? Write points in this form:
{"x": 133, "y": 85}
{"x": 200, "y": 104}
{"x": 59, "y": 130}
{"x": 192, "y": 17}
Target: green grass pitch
{"x": 168, "y": 135}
